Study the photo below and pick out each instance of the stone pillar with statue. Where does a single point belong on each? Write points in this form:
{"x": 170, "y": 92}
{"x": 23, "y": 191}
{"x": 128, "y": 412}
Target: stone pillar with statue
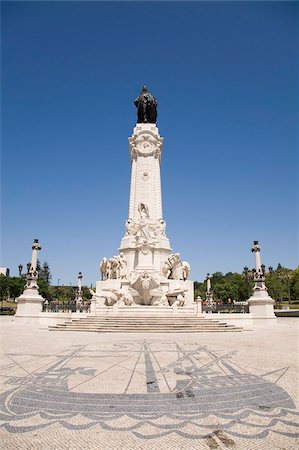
{"x": 30, "y": 302}
{"x": 261, "y": 305}
{"x": 79, "y": 299}
{"x": 209, "y": 293}
{"x": 145, "y": 272}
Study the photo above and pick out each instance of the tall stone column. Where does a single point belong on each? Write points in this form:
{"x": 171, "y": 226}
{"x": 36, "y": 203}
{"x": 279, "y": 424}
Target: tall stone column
{"x": 261, "y": 305}
{"x": 30, "y": 302}
{"x": 145, "y": 272}
{"x": 145, "y": 244}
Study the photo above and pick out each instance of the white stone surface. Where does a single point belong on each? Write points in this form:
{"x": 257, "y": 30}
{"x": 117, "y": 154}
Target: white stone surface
{"x": 30, "y": 303}
{"x": 145, "y": 271}
{"x": 77, "y": 368}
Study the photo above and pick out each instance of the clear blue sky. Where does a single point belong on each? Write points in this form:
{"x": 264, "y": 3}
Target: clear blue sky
{"x": 225, "y": 75}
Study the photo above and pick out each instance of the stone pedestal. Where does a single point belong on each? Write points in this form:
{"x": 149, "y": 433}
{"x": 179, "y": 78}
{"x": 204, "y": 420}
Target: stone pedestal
{"x": 261, "y": 305}
{"x": 30, "y": 303}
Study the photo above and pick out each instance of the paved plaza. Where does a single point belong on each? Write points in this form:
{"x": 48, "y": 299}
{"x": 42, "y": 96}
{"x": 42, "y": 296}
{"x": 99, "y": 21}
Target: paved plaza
{"x": 78, "y": 390}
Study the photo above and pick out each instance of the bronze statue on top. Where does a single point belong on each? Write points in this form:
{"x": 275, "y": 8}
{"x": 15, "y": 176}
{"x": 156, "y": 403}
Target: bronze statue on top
{"x": 146, "y": 105}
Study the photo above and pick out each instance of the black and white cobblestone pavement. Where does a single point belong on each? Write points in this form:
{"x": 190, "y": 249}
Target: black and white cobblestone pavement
{"x": 149, "y": 391}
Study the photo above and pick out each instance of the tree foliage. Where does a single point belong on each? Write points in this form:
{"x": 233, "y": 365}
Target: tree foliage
{"x": 282, "y": 284}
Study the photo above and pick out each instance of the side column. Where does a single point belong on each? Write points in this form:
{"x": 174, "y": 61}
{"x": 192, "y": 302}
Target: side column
{"x": 261, "y": 305}
{"x": 30, "y": 302}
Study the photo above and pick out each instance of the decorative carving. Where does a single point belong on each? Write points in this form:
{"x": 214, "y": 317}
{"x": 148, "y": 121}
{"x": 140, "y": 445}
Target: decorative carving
{"x": 145, "y": 144}
{"x": 145, "y": 284}
{"x": 145, "y": 228}
{"x": 145, "y": 176}
{"x": 185, "y": 270}
{"x": 104, "y": 269}
{"x": 122, "y": 265}
{"x": 109, "y": 297}
{"x": 131, "y": 227}
{"x": 114, "y": 268}
{"x": 146, "y": 105}
{"x": 259, "y": 275}
{"x": 159, "y": 228}
{"x": 173, "y": 268}
{"x": 32, "y": 275}
{"x": 176, "y": 297}
{"x": 143, "y": 211}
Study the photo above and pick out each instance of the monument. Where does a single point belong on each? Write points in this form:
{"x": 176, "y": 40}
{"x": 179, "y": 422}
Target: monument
{"x": 78, "y": 298}
{"x": 145, "y": 272}
{"x": 30, "y": 302}
{"x": 209, "y": 292}
{"x": 261, "y": 305}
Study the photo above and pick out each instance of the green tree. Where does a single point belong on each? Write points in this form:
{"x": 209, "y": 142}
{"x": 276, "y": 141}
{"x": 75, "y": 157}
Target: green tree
{"x": 16, "y": 286}
{"x": 44, "y": 271}
{"x": 294, "y": 285}
{"x": 4, "y": 287}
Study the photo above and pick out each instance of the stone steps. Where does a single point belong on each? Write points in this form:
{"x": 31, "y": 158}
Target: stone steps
{"x": 139, "y": 324}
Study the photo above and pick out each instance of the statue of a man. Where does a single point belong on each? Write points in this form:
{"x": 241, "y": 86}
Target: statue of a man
{"x": 122, "y": 260}
{"x": 146, "y": 105}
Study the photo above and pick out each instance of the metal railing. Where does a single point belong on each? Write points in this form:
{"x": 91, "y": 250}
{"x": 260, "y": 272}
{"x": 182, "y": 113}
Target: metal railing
{"x": 226, "y": 308}
{"x": 70, "y": 306}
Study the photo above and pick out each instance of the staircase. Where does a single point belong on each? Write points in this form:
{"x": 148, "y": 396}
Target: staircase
{"x": 145, "y": 324}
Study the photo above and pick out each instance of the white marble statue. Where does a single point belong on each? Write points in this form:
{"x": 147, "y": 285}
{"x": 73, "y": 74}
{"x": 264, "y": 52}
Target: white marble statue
{"x": 110, "y": 297}
{"x": 144, "y": 284}
{"x": 131, "y": 228}
{"x": 143, "y": 211}
{"x": 159, "y": 228}
{"x": 122, "y": 265}
{"x": 185, "y": 270}
{"x": 113, "y": 268}
{"x": 103, "y": 269}
{"x": 175, "y": 269}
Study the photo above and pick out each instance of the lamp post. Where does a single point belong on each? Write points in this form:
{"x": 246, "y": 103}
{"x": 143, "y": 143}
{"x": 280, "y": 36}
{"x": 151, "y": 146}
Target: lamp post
{"x": 276, "y": 292}
{"x": 20, "y": 270}
{"x": 46, "y": 272}
{"x": 249, "y": 275}
{"x": 281, "y": 277}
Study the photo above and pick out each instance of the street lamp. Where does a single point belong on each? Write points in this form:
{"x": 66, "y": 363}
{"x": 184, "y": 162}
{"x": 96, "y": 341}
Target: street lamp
{"x": 46, "y": 272}
{"x": 20, "y": 270}
{"x": 249, "y": 274}
{"x": 284, "y": 276}
{"x": 28, "y": 266}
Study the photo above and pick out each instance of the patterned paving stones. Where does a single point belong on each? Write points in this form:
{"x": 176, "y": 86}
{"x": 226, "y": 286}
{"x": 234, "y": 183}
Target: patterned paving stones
{"x": 149, "y": 391}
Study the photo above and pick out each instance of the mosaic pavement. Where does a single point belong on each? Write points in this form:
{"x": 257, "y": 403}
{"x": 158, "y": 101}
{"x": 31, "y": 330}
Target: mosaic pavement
{"x": 143, "y": 392}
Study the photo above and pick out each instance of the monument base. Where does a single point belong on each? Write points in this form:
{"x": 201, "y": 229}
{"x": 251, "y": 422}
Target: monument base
{"x": 30, "y": 303}
{"x": 261, "y": 305}
{"x": 166, "y": 294}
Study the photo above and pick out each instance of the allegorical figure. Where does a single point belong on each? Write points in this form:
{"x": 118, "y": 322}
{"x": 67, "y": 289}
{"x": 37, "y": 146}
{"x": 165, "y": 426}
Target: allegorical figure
{"x": 146, "y": 105}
